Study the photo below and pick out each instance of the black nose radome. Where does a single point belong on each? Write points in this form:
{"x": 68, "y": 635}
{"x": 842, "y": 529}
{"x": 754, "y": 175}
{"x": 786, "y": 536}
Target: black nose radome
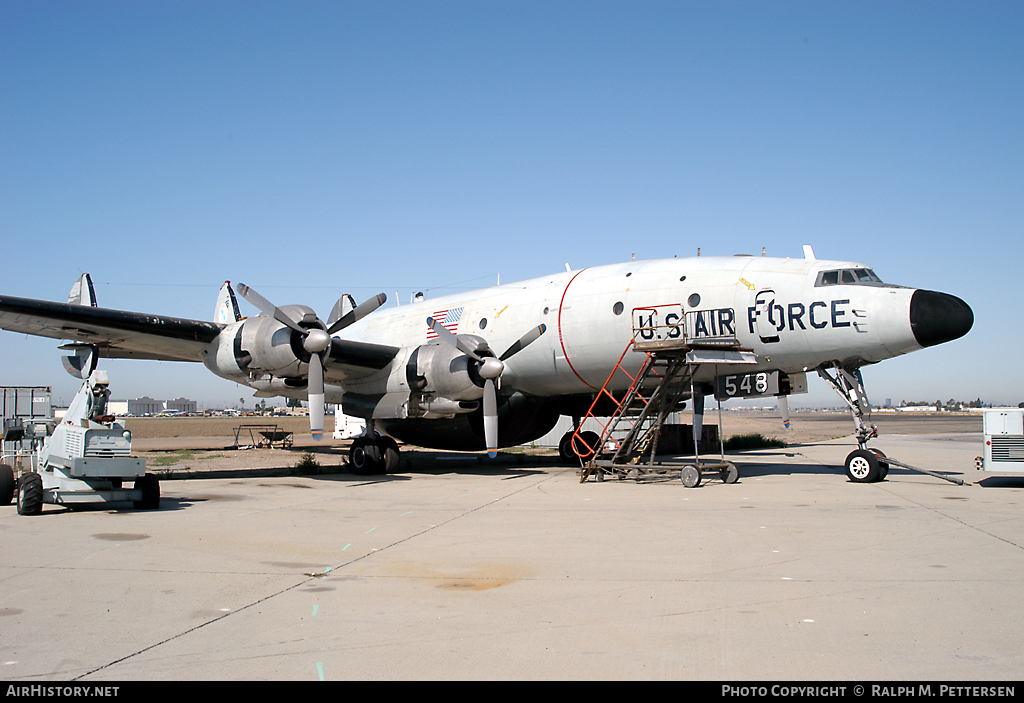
{"x": 938, "y": 317}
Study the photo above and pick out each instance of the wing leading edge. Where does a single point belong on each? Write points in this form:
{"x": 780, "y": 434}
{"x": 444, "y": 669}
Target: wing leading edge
{"x": 117, "y": 334}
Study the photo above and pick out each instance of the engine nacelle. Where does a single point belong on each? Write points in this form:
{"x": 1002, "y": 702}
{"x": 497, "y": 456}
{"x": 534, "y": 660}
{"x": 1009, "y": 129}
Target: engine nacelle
{"x": 224, "y": 355}
{"x": 261, "y": 345}
{"x": 443, "y": 371}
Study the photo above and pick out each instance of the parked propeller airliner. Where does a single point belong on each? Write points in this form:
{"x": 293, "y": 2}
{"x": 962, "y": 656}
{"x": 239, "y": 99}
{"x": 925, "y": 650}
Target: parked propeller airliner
{"x": 496, "y": 367}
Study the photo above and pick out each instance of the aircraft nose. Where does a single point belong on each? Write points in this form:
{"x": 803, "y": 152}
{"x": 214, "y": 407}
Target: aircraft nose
{"x": 938, "y": 317}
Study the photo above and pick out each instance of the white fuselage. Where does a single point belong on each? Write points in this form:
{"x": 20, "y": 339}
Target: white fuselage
{"x": 777, "y": 312}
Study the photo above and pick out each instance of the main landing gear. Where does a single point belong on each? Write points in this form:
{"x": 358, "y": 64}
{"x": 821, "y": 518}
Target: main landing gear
{"x": 863, "y": 465}
{"x": 578, "y": 452}
{"x": 373, "y": 454}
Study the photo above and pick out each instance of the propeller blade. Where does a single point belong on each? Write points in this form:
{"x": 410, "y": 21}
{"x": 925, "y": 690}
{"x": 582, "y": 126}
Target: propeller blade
{"x": 268, "y": 307}
{"x": 490, "y": 418}
{"x": 452, "y": 339}
{"x": 316, "y": 397}
{"x": 524, "y": 341}
{"x": 362, "y": 310}
{"x": 784, "y": 409}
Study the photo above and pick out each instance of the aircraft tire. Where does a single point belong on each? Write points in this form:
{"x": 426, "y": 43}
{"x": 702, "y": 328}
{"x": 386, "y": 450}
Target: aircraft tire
{"x": 565, "y": 452}
{"x": 30, "y": 494}
{"x": 883, "y": 466}
{"x": 587, "y": 446}
{"x": 862, "y": 466}
{"x": 6, "y": 484}
{"x": 364, "y": 456}
{"x": 391, "y": 455}
{"x": 150, "y": 486}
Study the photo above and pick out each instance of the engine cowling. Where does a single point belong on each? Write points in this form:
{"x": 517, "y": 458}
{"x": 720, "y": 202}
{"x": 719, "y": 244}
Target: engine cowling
{"x": 442, "y": 371}
{"x": 262, "y": 346}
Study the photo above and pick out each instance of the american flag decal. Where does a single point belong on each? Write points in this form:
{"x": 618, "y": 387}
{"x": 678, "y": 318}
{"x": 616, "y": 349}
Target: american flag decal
{"x": 449, "y": 319}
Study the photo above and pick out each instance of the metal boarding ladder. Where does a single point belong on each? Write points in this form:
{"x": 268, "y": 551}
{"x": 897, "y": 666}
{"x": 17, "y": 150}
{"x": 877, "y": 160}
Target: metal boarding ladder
{"x": 633, "y": 427}
{"x": 664, "y": 378}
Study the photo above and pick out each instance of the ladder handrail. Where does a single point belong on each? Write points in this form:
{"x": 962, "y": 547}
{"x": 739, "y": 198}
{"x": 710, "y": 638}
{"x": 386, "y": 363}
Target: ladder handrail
{"x": 620, "y": 407}
{"x": 576, "y": 437}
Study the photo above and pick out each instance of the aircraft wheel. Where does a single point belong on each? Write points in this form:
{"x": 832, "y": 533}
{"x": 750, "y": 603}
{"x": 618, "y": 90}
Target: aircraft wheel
{"x": 586, "y": 446}
{"x": 150, "y": 486}
{"x": 690, "y": 476}
{"x": 565, "y": 452}
{"x": 392, "y": 457}
{"x": 30, "y": 494}
{"x": 883, "y": 466}
{"x": 862, "y": 466}
{"x": 6, "y": 484}
{"x": 731, "y": 473}
{"x": 364, "y": 455}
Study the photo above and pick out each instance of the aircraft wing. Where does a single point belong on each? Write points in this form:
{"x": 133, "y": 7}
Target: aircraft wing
{"x": 360, "y": 355}
{"x": 117, "y": 334}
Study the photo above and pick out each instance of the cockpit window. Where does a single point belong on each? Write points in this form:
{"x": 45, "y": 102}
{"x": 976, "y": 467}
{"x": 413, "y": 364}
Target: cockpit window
{"x": 848, "y": 277}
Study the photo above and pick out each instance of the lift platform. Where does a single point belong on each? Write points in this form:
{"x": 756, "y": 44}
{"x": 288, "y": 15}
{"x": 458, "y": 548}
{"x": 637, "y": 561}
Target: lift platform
{"x": 675, "y": 353}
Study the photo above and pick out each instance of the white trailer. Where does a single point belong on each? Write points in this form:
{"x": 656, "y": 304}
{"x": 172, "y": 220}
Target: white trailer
{"x": 346, "y": 426}
{"x": 1004, "y": 440}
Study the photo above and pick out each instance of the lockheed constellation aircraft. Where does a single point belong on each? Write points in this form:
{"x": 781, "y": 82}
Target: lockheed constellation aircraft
{"x": 496, "y": 367}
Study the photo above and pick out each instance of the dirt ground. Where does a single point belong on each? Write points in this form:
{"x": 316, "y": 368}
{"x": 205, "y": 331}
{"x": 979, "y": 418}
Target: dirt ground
{"x": 179, "y": 447}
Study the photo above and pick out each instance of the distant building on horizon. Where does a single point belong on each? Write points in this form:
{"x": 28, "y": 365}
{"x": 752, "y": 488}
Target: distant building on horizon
{"x": 140, "y": 407}
{"x": 182, "y": 404}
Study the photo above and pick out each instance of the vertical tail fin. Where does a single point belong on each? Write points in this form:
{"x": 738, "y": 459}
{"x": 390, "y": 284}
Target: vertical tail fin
{"x": 226, "y": 311}
{"x": 83, "y": 362}
{"x": 82, "y": 293}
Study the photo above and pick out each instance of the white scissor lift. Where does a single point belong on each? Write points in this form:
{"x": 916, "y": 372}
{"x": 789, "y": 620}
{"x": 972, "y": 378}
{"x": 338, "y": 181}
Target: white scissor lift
{"x": 628, "y": 443}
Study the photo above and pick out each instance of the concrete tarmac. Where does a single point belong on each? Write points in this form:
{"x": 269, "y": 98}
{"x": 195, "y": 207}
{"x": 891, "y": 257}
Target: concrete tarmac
{"x": 462, "y": 571}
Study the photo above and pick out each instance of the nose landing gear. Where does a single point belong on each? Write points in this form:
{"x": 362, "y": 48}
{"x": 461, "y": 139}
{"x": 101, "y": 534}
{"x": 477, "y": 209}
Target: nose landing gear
{"x": 863, "y": 465}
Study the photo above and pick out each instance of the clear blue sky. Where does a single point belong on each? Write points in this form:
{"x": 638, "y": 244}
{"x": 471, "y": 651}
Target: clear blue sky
{"x": 310, "y": 149}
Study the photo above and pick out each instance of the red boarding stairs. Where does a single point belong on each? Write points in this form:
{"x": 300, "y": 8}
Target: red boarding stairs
{"x": 674, "y": 354}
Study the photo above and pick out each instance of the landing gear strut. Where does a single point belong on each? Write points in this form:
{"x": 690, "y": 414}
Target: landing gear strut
{"x": 863, "y": 465}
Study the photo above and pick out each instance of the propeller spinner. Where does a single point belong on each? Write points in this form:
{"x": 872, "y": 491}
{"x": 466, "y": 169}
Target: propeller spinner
{"x": 490, "y": 368}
